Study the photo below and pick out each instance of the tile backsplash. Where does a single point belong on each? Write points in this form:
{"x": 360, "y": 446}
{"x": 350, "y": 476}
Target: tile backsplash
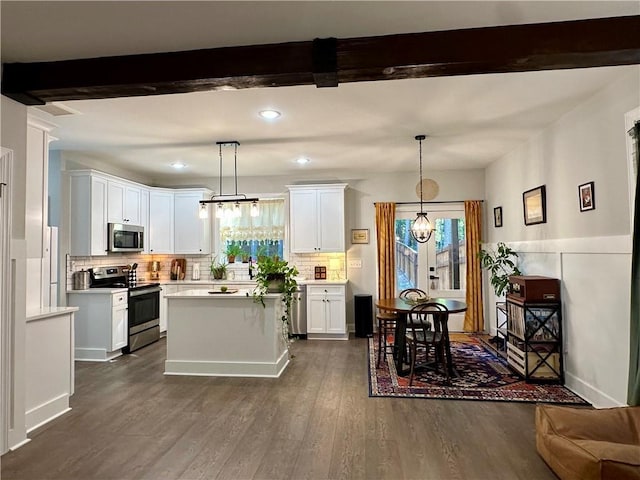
{"x": 305, "y": 263}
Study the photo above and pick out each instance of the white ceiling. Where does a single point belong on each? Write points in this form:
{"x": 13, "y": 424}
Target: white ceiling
{"x": 470, "y": 120}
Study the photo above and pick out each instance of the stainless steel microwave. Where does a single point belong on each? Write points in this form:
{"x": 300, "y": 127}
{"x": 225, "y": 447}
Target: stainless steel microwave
{"x": 125, "y": 238}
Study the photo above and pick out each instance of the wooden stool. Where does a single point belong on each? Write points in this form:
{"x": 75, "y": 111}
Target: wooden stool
{"x": 386, "y": 325}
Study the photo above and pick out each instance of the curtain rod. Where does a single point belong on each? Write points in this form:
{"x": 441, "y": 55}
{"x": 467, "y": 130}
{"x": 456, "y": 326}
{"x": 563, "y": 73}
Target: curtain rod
{"x": 418, "y": 203}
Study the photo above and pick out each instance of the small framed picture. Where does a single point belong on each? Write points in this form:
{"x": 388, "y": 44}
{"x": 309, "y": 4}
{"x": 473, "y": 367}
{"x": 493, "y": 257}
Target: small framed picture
{"x": 586, "y": 197}
{"x": 534, "y": 203}
{"x": 359, "y": 235}
{"x": 497, "y": 217}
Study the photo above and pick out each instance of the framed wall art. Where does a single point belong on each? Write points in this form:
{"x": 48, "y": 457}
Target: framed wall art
{"x": 534, "y": 204}
{"x": 497, "y": 217}
{"x": 586, "y": 196}
{"x": 359, "y": 235}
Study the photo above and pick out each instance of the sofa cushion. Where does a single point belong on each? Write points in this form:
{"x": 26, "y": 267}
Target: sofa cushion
{"x": 583, "y": 444}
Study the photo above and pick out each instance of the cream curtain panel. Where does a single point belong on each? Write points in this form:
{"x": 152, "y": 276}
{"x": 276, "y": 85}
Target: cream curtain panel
{"x": 386, "y": 238}
{"x": 474, "y": 317}
{"x": 268, "y": 225}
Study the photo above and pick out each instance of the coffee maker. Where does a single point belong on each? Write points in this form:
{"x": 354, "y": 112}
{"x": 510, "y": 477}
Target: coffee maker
{"x": 154, "y": 268}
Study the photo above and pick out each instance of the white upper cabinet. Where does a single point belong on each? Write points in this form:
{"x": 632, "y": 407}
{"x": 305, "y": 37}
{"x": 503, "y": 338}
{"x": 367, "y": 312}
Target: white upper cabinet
{"x": 144, "y": 217}
{"x": 124, "y": 203}
{"x": 170, "y": 217}
{"x": 88, "y": 211}
{"x": 36, "y": 187}
{"x": 192, "y": 235}
{"x": 161, "y": 221}
{"x": 316, "y": 216}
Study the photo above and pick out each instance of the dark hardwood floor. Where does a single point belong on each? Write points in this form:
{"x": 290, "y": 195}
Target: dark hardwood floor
{"x": 129, "y": 421}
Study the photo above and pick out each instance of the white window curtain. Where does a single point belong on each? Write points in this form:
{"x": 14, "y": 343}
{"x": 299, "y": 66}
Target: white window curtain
{"x": 268, "y": 225}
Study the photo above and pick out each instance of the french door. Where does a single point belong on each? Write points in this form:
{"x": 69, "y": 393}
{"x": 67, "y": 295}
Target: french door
{"x": 438, "y": 266}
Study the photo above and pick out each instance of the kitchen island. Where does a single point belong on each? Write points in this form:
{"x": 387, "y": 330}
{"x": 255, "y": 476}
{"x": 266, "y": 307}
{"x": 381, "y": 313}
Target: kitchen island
{"x": 225, "y": 334}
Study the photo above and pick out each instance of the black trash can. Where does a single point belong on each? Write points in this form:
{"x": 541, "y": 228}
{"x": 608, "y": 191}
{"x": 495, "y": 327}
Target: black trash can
{"x": 363, "y": 305}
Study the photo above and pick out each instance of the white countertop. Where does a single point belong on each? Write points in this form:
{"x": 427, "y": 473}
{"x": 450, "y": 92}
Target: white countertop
{"x": 207, "y": 281}
{"x": 48, "y": 312}
{"x": 204, "y": 293}
{"x": 248, "y": 282}
{"x": 100, "y": 291}
{"x": 323, "y": 282}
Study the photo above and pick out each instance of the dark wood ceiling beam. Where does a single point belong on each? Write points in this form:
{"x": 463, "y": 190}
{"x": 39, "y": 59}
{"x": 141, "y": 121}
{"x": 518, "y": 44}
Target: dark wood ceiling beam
{"x": 325, "y": 62}
{"x": 512, "y": 48}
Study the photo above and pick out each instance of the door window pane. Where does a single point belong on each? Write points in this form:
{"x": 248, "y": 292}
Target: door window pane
{"x": 450, "y": 261}
{"x": 406, "y": 256}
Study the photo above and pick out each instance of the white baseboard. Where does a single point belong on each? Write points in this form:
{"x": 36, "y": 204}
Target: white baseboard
{"x": 591, "y": 394}
{"x": 95, "y": 355}
{"x": 227, "y": 369}
{"x": 20, "y": 444}
{"x": 44, "y": 413}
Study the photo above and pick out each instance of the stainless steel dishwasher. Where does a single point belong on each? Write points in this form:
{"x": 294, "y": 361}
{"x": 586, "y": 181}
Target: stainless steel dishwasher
{"x": 298, "y": 313}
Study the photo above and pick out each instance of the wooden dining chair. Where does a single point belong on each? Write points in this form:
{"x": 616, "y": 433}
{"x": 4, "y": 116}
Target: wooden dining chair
{"x": 427, "y": 330}
{"x": 412, "y": 294}
{"x": 386, "y": 325}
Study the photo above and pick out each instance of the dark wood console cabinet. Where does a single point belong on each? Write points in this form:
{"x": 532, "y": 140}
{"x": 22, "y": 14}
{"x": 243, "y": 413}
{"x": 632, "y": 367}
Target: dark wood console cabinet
{"x": 534, "y": 328}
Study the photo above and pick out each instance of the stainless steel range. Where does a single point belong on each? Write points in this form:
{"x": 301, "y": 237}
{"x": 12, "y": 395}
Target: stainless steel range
{"x": 143, "y": 304}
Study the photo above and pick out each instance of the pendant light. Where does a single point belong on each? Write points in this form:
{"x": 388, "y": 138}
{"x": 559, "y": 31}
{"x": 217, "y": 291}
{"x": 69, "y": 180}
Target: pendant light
{"x": 421, "y": 229}
{"x": 235, "y": 198}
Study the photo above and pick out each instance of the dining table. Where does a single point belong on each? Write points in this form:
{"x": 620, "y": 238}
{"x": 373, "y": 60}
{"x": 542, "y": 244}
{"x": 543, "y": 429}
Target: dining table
{"x": 402, "y": 307}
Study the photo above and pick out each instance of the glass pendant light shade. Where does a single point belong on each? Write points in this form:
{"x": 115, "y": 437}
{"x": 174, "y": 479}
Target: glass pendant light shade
{"x": 204, "y": 211}
{"x": 421, "y": 229}
{"x": 254, "y": 209}
{"x": 236, "y": 210}
{"x": 219, "y": 211}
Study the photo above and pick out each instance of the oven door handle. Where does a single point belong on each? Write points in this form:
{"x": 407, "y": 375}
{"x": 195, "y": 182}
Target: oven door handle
{"x": 146, "y": 291}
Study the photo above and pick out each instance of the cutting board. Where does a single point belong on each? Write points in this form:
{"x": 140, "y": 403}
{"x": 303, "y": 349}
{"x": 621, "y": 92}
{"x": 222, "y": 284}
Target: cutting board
{"x": 178, "y": 268}
{"x": 231, "y": 290}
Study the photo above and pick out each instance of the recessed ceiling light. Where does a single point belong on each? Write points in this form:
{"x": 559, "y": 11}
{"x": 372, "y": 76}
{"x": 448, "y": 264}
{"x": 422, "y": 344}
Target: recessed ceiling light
{"x": 269, "y": 114}
{"x": 302, "y": 160}
{"x": 178, "y": 165}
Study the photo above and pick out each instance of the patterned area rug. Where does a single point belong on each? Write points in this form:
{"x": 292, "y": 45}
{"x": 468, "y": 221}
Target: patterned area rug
{"x": 481, "y": 376}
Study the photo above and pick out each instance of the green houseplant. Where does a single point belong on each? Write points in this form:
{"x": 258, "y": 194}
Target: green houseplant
{"x": 218, "y": 268}
{"x": 233, "y": 250}
{"x": 276, "y": 276}
{"x": 500, "y": 263}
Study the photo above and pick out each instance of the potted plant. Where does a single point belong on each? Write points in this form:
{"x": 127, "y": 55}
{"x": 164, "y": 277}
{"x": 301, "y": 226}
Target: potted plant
{"x": 276, "y": 276}
{"x": 245, "y": 257}
{"x": 218, "y": 268}
{"x": 262, "y": 252}
{"x": 501, "y": 264}
{"x": 233, "y": 250}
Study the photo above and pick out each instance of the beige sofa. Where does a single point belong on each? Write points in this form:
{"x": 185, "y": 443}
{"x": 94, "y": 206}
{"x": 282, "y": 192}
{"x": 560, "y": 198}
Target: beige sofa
{"x": 585, "y": 444}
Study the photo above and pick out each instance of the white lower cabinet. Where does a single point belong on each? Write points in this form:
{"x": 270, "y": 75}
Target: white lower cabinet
{"x": 100, "y": 324}
{"x": 119, "y": 321}
{"x": 166, "y": 290}
{"x": 326, "y": 312}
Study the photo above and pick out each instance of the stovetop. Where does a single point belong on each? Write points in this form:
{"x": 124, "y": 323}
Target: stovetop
{"x": 116, "y": 277}
{"x": 142, "y": 285}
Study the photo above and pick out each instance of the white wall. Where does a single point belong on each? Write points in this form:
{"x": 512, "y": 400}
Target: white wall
{"x": 14, "y": 136}
{"x": 589, "y": 251}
